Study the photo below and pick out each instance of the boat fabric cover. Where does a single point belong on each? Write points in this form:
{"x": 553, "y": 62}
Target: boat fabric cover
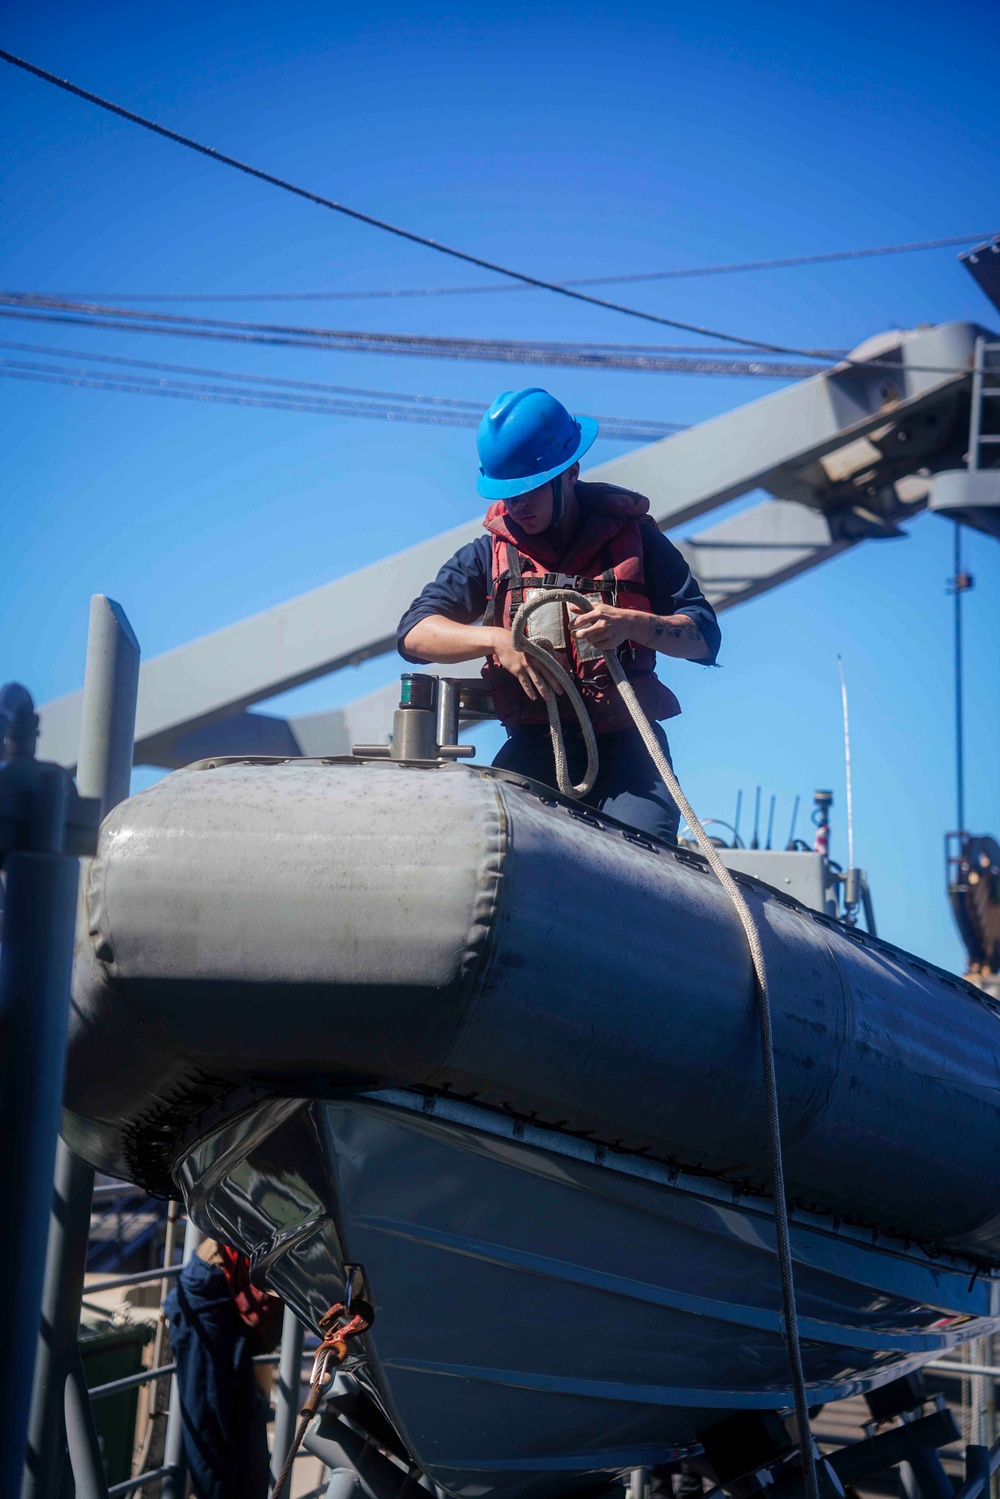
{"x": 304, "y": 929}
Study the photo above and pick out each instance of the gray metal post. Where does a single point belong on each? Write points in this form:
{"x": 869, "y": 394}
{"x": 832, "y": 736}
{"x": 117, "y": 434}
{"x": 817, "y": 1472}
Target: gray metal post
{"x": 286, "y": 1406}
{"x": 35, "y": 965}
{"x": 58, "y": 1351}
{"x": 110, "y": 687}
{"x": 89, "y": 1481}
{"x": 104, "y": 767}
{"x": 976, "y": 412}
{"x": 174, "y": 1485}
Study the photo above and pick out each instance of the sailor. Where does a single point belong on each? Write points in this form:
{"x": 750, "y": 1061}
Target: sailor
{"x": 547, "y": 528}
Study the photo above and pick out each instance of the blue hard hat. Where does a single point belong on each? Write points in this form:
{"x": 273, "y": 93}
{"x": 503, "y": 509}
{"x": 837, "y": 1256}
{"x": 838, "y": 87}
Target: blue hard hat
{"x": 525, "y": 439}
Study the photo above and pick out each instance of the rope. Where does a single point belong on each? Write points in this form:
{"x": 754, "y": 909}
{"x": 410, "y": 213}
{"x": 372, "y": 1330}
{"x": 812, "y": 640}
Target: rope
{"x": 522, "y": 641}
{"x": 790, "y": 1325}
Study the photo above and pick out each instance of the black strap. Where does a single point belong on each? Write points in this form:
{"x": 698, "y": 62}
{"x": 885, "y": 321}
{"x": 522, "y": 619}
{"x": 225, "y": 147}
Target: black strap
{"x": 490, "y": 612}
{"x": 516, "y": 580}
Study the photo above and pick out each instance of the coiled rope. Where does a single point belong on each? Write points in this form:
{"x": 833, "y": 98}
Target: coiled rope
{"x": 556, "y": 673}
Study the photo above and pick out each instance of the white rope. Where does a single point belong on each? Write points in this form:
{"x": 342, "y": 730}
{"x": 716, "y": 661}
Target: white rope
{"x": 522, "y": 641}
{"x": 557, "y": 674}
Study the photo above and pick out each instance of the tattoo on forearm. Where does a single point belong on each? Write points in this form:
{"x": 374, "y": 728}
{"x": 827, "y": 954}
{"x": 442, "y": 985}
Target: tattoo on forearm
{"x": 661, "y": 630}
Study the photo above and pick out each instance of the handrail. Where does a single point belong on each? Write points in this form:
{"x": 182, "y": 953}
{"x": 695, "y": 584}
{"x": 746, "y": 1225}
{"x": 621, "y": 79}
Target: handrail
{"x": 142, "y": 1278}
{"x": 140, "y": 1479}
{"x": 951, "y": 1366}
{"x": 130, "y": 1381}
{"x": 108, "y": 1191}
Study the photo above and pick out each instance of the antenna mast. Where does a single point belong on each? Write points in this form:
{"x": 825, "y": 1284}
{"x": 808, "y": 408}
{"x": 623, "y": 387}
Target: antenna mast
{"x": 847, "y": 766}
{"x": 960, "y": 583}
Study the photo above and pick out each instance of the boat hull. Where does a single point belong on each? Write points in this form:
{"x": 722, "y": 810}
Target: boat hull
{"x": 303, "y": 928}
{"x": 548, "y": 1311}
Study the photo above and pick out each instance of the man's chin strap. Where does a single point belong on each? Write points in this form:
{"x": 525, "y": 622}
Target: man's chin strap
{"x": 558, "y": 501}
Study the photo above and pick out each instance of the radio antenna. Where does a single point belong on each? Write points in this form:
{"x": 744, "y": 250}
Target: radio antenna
{"x": 770, "y": 821}
{"x": 847, "y": 766}
{"x": 795, "y": 818}
{"x": 957, "y": 585}
{"x": 755, "y": 841}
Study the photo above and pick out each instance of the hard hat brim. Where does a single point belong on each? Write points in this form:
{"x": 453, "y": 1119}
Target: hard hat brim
{"x": 505, "y": 489}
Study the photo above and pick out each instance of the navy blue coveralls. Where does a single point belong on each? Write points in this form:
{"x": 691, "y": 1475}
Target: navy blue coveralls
{"x": 223, "y": 1409}
{"x": 628, "y": 785}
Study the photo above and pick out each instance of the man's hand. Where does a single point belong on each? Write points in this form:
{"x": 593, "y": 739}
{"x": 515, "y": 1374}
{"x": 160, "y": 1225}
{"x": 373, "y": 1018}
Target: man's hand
{"x": 527, "y": 671}
{"x": 602, "y": 625}
{"x": 607, "y": 628}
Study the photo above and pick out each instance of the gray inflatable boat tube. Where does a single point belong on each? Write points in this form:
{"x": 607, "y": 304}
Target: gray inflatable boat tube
{"x": 308, "y": 929}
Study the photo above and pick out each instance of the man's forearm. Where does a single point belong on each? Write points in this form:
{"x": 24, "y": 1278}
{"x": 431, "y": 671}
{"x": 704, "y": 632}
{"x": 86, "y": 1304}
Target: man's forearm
{"x": 437, "y": 638}
{"x": 671, "y": 635}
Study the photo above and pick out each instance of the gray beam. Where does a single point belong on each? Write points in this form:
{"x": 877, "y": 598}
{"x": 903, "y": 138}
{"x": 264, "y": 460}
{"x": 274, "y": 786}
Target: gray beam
{"x": 777, "y": 441}
{"x": 763, "y": 444}
{"x": 773, "y": 542}
{"x": 339, "y": 624}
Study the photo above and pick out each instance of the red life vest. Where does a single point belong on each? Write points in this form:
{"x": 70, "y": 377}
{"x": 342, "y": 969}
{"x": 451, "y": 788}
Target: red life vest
{"x": 261, "y": 1311}
{"x": 604, "y": 560}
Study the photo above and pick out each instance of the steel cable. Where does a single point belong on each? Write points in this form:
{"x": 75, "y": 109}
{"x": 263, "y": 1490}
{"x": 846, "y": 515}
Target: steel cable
{"x": 424, "y": 411}
{"x": 128, "y": 315}
{"x": 376, "y": 223}
{"x": 486, "y": 351}
{"x": 789, "y": 1318}
{"x": 659, "y": 358}
{"x": 682, "y": 273}
{"x": 323, "y": 387}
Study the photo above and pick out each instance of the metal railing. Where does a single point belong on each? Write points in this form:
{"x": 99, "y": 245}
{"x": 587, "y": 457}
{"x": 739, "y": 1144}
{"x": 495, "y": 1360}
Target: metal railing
{"x": 61, "y": 1417}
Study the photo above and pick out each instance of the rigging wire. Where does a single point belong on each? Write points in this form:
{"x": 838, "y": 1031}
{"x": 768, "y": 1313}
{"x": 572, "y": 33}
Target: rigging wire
{"x": 56, "y": 351}
{"x": 395, "y": 229}
{"x": 49, "y": 301}
{"x": 482, "y": 350}
{"x": 43, "y": 307}
{"x": 400, "y": 408}
{"x": 682, "y": 273}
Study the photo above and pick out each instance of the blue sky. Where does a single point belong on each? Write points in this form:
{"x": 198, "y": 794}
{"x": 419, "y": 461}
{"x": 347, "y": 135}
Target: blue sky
{"x": 569, "y": 141}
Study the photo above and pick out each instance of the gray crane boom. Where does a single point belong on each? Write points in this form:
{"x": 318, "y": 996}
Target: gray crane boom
{"x": 845, "y": 455}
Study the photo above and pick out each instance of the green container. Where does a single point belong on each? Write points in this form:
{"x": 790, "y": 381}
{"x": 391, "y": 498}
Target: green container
{"x": 110, "y": 1352}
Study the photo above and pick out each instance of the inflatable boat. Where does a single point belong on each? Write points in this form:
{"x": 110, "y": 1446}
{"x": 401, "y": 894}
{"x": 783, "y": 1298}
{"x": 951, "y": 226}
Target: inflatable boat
{"x": 438, "y": 1033}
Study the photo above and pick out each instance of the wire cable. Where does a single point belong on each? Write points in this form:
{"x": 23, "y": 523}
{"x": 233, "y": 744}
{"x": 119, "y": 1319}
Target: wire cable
{"x": 49, "y": 301}
{"x": 398, "y": 408}
{"x": 659, "y": 358}
{"x": 55, "y": 351}
{"x": 590, "y": 353}
{"x": 376, "y": 223}
{"x": 481, "y": 350}
{"x": 682, "y": 273}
